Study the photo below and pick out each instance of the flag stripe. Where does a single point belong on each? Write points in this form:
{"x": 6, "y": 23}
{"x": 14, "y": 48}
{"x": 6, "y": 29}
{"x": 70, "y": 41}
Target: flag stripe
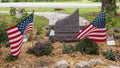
{"x": 97, "y": 38}
{"x": 12, "y": 35}
{"x": 10, "y": 38}
{"x": 90, "y": 34}
{"x": 16, "y": 43}
{"x": 97, "y": 35}
{"x": 96, "y": 30}
{"x": 87, "y": 32}
{"x": 15, "y": 39}
{"x": 83, "y": 31}
{"x": 11, "y": 29}
{"x": 17, "y": 48}
{"x": 29, "y": 28}
{"x": 16, "y": 33}
{"x": 16, "y": 53}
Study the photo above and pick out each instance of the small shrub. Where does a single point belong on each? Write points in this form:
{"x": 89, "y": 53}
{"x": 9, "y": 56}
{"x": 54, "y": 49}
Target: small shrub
{"x": 117, "y": 30}
{"x": 68, "y": 49}
{"x": 3, "y": 34}
{"x": 41, "y": 49}
{"x": 12, "y": 11}
{"x": 10, "y": 57}
{"x": 30, "y": 50}
{"x": 117, "y": 37}
{"x": 87, "y": 46}
{"x": 39, "y": 30}
{"x": 109, "y": 54}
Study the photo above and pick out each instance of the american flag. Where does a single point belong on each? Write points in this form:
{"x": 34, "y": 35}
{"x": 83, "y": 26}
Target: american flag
{"x": 15, "y": 34}
{"x": 110, "y": 38}
{"x": 96, "y": 30}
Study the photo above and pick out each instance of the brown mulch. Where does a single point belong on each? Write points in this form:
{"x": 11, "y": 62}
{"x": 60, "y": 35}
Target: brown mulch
{"x": 30, "y": 61}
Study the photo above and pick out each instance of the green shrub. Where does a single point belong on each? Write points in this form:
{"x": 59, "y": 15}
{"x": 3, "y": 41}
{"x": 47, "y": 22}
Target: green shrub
{"x": 39, "y": 30}
{"x": 109, "y": 54}
{"x": 3, "y": 34}
{"x": 10, "y": 57}
{"x": 41, "y": 49}
{"x": 117, "y": 37}
{"x": 12, "y": 11}
{"x": 87, "y": 46}
{"x": 4, "y": 0}
{"x": 68, "y": 49}
{"x": 30, "y": 50}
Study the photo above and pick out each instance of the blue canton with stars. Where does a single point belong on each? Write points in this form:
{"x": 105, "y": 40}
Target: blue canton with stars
{"x": 23, "y": 24}
{"x": 100, "y": 21}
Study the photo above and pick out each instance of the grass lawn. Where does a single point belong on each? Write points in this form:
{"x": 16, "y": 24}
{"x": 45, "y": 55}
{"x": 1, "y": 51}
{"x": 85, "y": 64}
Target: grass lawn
{"x": 38, "y": 20}
{"x": 31, "y": 9}
{"x": 87, "y": 13}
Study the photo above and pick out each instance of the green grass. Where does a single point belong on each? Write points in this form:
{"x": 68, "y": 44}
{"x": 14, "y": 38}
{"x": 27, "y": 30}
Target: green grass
{"x": 38, "y": 20}
{"x": 67, "y": 10}
{"x": 88, "y": 13}
{"x": 4, "y": 9}
{"x": 31, "y": 9}
{"x": 7, "y": 17}
{"x": 118, "y": 10}
{"x": 91, "y": 13}
{"x": 116, "y": 21}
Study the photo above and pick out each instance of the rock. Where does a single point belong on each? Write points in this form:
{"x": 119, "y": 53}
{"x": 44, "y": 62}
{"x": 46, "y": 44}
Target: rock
{"x": 62, "y": 64}
{"x": 13, "y": 67}
{"x": 96, "y": 62}
{"x": 83, "y": 65}
{"x": 112, "y": 66}
{"x": 43, "y": 67}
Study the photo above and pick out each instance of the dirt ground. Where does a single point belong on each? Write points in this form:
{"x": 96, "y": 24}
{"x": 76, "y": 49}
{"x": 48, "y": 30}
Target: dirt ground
{"x": 30, "y": 61}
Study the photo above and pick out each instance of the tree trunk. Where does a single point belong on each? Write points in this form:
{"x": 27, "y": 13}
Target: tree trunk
{"x": 112, "y": 6}
{"x": 103, "y": 5}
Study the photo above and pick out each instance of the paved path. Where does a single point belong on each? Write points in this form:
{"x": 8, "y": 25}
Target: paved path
{"x": 50, "y": 5}
{"x": 54, "y": 16}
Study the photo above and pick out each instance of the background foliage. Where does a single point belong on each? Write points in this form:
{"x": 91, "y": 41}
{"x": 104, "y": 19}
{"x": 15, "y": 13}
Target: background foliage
{"x": 52, "y": 0}
{"x": 40, "y": 49}
{"x": 87, "y": 46}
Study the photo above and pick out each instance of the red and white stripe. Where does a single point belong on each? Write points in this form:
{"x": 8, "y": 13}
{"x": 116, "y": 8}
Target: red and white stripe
{"x": 15, "y": 39}
{"x": 93, "y": 33}
{"x": 110, "y": 38}
{"x": 30, "y": 27}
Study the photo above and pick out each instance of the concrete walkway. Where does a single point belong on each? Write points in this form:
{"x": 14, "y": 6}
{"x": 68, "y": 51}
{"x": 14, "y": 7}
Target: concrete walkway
{"x": 51, "y": 5}
{"x": 54, "y": 16}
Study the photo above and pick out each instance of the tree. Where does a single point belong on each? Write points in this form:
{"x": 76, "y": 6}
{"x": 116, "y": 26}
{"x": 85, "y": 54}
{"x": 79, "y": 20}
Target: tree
{"x": 109, "y": 6}
{"x": 4, "y": 0}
